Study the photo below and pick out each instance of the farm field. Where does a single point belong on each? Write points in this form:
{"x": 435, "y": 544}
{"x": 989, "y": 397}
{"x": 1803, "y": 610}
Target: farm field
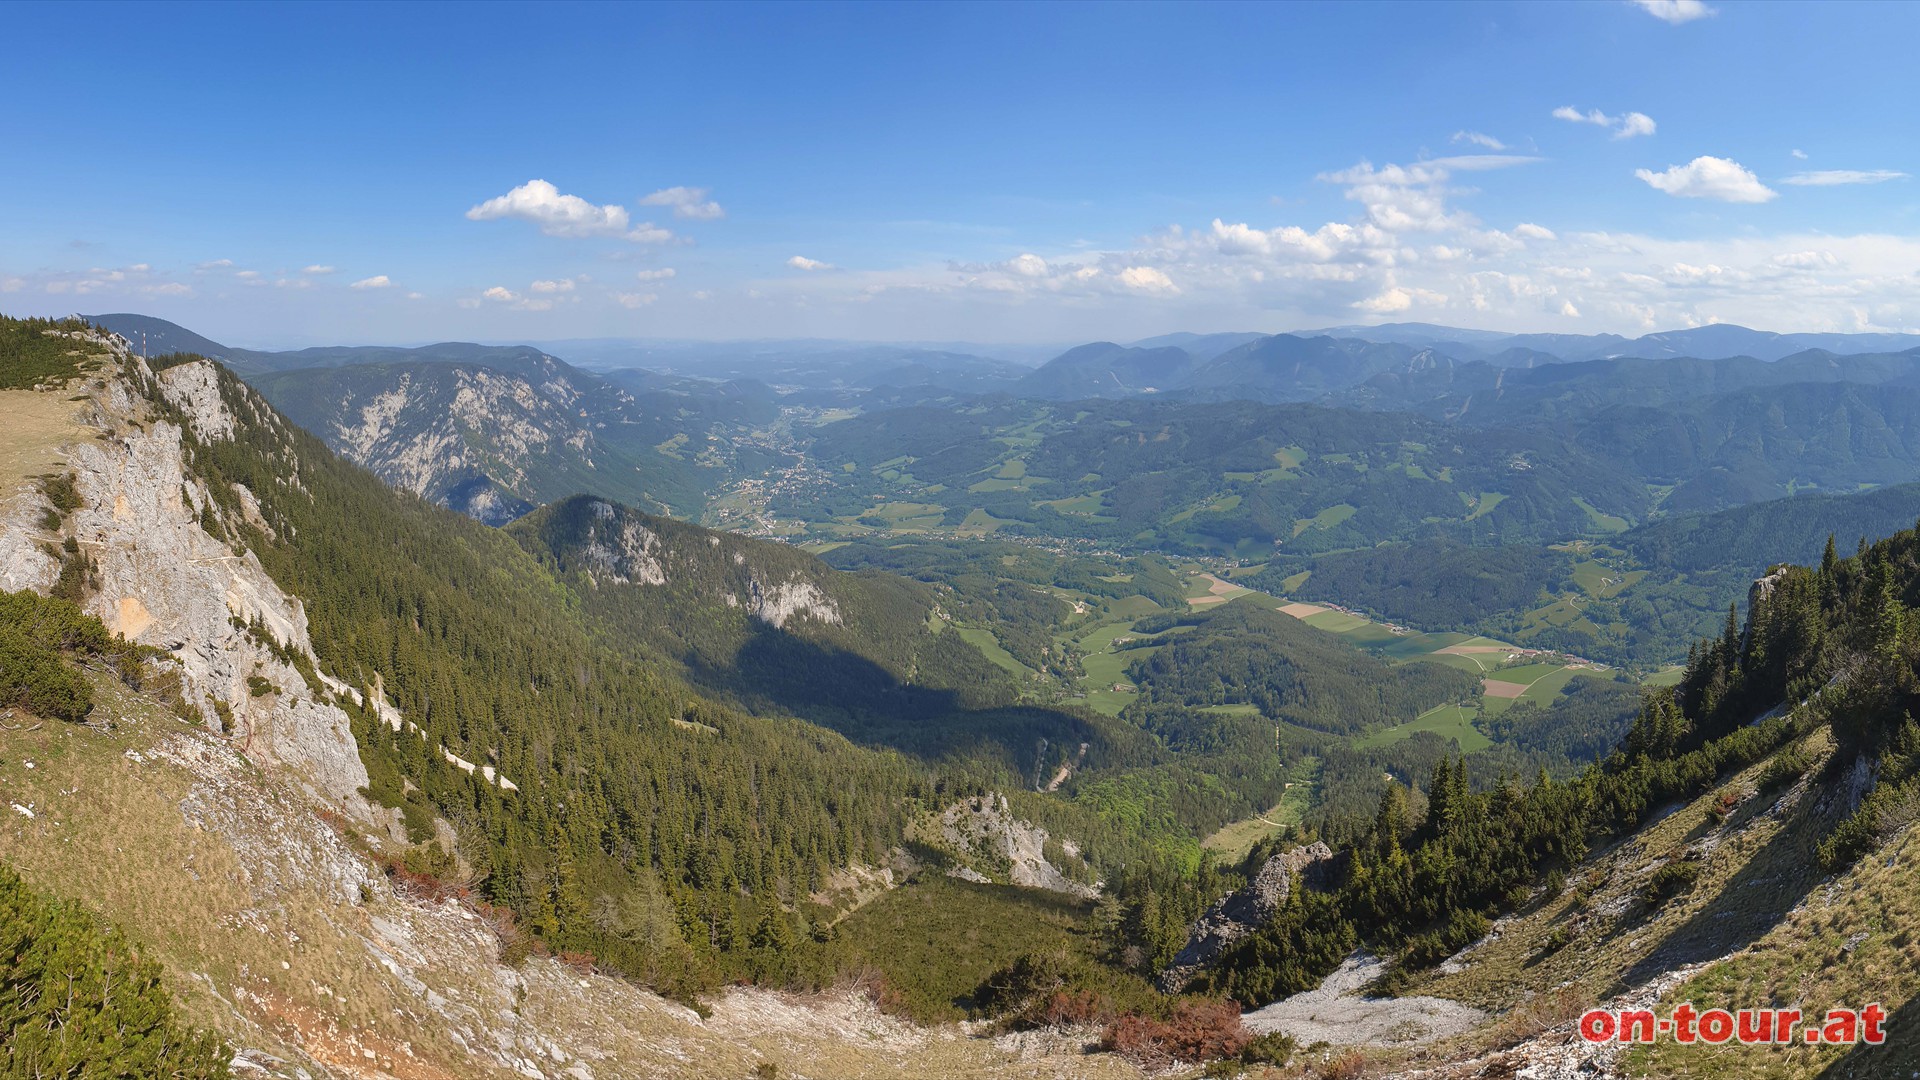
{"x": 990, "y": 646}
{"x": 1447, "y": 721}
{"x": 1509, "y": 673}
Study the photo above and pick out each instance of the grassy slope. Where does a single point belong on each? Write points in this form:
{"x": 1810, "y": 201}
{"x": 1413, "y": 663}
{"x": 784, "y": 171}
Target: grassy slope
{"x": 1763, "y": 926}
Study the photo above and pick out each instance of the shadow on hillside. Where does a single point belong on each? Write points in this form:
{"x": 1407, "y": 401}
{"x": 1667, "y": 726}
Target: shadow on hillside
{"x": 1758, "y": 896}
{"x": 775, "y": 671}
{"x": 1898, "y": 1056}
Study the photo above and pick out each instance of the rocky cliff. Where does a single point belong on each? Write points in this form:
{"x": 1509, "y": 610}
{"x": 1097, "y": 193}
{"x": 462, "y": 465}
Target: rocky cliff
{"x": 1245, "y": 910}
{"x": 988, "y": 843}
{"x": 158, "y": 578}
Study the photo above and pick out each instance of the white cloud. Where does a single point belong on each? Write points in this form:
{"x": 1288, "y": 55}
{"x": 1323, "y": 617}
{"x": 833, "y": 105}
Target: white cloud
{"x": 317, "y": 269}
{"x": 378, "y": 281}
{"x": 1624, "y": 126}
{"x": 570, "y": 216}
{"x": 1800, "y": 154}
{"x": 246, "y": 275}
{"x": 1807, "y": 260}
{"x": 1709, "y": 178}
{"x": 1398, "y": 198}
{"x": 801, "y": 262}
{"x": 1479, "y": 138}
{"x": 1675, "y": 12}
{"x": 1147, "y": 279}
{"x": 633, "y": 301}
{"x": 687, "y": 202}
{"x": 217, "y": 264}
{"x": 564, "y": 285}
{"x": 416, "y": 296}
{"x": 1388, "y": 302}
{"x": 500, "y": 293}
{"x": 1527, "y": 230}
{"x": 1028, "y": 265}
{"x": 1833, "y": 177}
{"x": 661, "y": 274}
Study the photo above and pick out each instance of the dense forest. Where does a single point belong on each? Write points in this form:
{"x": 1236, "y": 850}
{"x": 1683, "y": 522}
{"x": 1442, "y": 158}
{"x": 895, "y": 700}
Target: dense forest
{"x": 1839, "y": 644}
{"x": 1246, "y": 654}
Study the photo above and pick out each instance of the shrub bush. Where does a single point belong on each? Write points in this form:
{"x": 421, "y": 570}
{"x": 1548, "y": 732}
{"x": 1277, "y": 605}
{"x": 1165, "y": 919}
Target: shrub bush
{"x": 1200, "y": 1029}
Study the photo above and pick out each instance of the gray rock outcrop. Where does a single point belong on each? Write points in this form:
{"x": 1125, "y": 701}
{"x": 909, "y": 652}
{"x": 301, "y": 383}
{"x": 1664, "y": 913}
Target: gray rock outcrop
{"x": 983, "y": 831}
{"x": 1245, "y": 910}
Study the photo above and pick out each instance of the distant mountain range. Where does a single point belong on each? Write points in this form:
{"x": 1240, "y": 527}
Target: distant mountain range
{"x": 1414, "y": 363}
{"x": 1719, "y": 341}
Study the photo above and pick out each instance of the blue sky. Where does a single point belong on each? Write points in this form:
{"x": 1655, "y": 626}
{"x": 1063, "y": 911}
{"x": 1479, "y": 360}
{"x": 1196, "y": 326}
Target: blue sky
{"x": 938, "y": 171}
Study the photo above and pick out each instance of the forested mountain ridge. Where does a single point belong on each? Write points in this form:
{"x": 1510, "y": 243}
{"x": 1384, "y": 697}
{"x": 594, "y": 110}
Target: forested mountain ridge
{"x": 494, "y": 438}
{"x": 773, "y": 628}
{"x": 1482, "y": 394}
{"x": 1239, "y": 654}
{"x": 1277, "y": 368}
{"x": 1715, "y": 341}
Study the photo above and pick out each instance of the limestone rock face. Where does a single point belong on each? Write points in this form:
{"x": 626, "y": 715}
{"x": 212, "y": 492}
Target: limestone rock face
{"x": 1242, "y": 912}
{"x": 777, "y": 605}
{"x": 194, "y": 389}
{"x": 983, "y": 829}
{"x": 163, "y": 581}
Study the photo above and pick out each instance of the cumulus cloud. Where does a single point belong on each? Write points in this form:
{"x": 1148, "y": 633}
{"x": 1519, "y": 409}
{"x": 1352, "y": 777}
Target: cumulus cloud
{"x": 500, "y": 293}
{"x": 217, "y": 264}
{"x": 378, "y": 281}
{"x": 801, "y": 262}
{"x": 317, "y": 269}
{"x": 1800, "y": 154}
{"x": 1397, "y": 197}
{"x": 571, "y": 216}
{"x": 1675, "y": 12}
{"x": 687, "y": 202}
{"x": 1624, "y": 126}
{"x": 661, "y": 274}
{"x": 1147, "y": 279}
{"x": 1835, "y": 177}
{"x": 634, "y": 301}
{"x": 1028, "y": 265}
{"x": 1527, "y": 230}
{"x": 564, "y": 285}
{"x": 1478, "y": 138}
{"x": 1386, "y": 303}
{"x": 1709, "y": 178}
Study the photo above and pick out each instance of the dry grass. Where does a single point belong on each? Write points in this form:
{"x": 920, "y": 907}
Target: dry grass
{"x": 1601, "y": 937}
{"x": 1852, "y": 941}
{"x": 37, "y": 424}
